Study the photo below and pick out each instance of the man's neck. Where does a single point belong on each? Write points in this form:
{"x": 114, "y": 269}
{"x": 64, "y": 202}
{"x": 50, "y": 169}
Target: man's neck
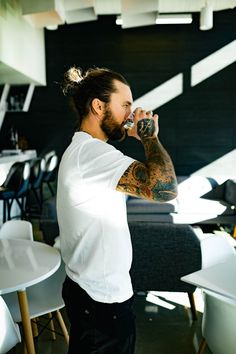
{"x": 92, "y": 128}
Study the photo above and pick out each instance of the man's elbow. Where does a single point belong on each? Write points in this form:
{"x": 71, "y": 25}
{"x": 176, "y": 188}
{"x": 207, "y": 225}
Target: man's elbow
{"x": 165, "y": 192}
{"x": 173, "y": 193}
{"x": 164, "y": 196}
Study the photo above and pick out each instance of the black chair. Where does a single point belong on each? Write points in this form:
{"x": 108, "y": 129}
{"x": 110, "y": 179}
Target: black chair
{"x": 37, "y": 170}
{"x": 15, "y": 188}
{"x": 162, "y": 254}
{"x": 50, "y": 173}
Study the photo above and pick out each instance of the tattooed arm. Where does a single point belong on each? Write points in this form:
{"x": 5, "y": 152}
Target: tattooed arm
{"x": 154, "y": 180}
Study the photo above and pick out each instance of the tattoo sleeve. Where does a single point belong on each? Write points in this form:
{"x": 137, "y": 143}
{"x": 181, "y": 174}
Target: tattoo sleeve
{"x": 154, "y": 180}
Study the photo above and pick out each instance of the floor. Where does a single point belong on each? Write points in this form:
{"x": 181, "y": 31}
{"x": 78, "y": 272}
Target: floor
{"x": 164, "y": 326}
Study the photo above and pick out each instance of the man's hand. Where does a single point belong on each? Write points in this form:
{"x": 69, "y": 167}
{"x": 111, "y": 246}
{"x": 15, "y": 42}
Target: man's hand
{"x": 145, "y": 124}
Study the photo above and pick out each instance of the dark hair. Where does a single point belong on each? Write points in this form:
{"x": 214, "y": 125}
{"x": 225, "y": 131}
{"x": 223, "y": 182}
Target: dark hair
{"x": 84, "y": 87}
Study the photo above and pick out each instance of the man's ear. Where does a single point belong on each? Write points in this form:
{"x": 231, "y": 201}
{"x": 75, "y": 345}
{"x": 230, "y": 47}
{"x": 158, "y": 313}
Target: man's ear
{"x": 97, "y": 106}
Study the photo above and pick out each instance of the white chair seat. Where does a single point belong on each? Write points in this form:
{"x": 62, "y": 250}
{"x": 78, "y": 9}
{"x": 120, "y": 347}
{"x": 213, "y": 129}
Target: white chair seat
{"x": 43, "y": 297}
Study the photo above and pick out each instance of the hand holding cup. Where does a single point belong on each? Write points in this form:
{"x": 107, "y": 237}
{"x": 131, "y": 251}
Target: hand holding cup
{"x": 138, "y": 124}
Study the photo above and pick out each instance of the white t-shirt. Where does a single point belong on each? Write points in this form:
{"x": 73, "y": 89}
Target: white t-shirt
{"x": 94, "y": 234}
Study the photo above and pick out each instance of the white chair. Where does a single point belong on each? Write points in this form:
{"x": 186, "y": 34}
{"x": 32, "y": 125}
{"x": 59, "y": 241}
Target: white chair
{"x": 20, "y": 229}
{"x": 9, "y": 333}
{"x": 218, "y": 324}
{"x": 219, "y": 316}
{"x": 44, "y": 297}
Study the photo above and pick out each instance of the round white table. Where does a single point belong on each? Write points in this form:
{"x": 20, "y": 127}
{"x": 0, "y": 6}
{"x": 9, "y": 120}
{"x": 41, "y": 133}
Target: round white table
{"x": 24, "y": 263}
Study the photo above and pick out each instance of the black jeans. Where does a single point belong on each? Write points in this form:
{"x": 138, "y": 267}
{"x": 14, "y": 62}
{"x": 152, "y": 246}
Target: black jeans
{"x": 98, "y": 328}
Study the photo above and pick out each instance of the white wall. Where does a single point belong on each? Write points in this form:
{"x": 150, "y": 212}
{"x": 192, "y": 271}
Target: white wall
{"x": 22, "y": 50}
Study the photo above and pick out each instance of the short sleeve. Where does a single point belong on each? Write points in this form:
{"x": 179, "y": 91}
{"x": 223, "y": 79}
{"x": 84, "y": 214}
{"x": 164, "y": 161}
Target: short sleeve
{"x": 101, "y": 163}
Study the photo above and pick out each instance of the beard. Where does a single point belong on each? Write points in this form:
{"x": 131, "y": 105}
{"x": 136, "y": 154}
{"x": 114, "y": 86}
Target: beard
{"x": 113, "y": 130}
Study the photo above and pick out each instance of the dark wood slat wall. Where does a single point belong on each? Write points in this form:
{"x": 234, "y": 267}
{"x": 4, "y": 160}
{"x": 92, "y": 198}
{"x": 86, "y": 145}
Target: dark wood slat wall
{"x": 196, "y": 127}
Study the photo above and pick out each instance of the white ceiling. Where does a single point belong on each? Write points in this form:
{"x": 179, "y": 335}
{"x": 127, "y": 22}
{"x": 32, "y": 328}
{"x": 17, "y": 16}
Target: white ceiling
{"x": 103, "y": 7}
{"x": 75, "y": 11}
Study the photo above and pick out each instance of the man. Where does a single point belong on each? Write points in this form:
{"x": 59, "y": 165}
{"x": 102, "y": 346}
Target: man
{"x": 93, "y": 179}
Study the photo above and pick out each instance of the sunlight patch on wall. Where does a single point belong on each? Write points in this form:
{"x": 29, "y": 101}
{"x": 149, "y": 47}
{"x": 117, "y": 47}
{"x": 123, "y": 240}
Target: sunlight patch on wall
{"x": 222, "y": 168}
{"x": 199, "y": 72}
{"x": 213, "y": 63}
{"x": 161, "y": 94}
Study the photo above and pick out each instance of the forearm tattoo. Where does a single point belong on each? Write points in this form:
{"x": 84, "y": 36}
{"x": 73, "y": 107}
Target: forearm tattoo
{"x": 145, "y": 128}
{"x": 154, "y": 180}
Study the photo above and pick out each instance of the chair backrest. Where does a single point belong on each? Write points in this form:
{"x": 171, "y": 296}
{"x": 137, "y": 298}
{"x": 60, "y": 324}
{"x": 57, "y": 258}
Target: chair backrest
{"x": 37, "y": 170}
{"x": 20, "y": 229}
{"x": 24, "y": 181}
{"x": 9, "y": 333}
{"x": 18, "y": 178}
{"x": 48, "y": 154}
{"x": 51, "y": 168}
{"x": 12, "y": 180}
{"x": 218, "y": 323}
{"x": 230, "y": 192}
{"x": 162, "y": 253}
{"x": 50, "y": 289}
{"x": 219, "y": 314}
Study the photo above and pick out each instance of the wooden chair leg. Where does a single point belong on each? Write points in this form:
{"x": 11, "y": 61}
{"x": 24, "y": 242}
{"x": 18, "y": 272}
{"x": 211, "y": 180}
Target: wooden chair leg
{"x": 63, "y": 326}
{"x": 24, "y": 349}
{"x": 34, "y": 327}
{"x": 202, "y": 346}
{"x": 193, "y": 307}
{"x": 51, "y": 325}
{"x": 234, "y": 231}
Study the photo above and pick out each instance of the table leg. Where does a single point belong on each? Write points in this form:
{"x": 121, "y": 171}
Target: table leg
{"x": 24, "y": 309}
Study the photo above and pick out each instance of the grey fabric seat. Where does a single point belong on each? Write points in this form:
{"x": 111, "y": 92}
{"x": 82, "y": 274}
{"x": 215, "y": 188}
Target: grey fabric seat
{"x": 162, "y": 254}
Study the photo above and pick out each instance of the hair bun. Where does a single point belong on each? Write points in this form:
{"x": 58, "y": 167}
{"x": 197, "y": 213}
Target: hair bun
{"x": 71, "y": 79}
{"x": 74, "y": 74}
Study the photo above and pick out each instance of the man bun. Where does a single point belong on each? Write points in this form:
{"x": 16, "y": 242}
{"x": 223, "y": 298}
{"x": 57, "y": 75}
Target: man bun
{"x": 72, "y": 78}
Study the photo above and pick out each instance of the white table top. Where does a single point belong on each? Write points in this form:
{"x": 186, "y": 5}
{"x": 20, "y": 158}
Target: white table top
{"x": 219, "y": 278}
{"x": 24, "y": 263}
